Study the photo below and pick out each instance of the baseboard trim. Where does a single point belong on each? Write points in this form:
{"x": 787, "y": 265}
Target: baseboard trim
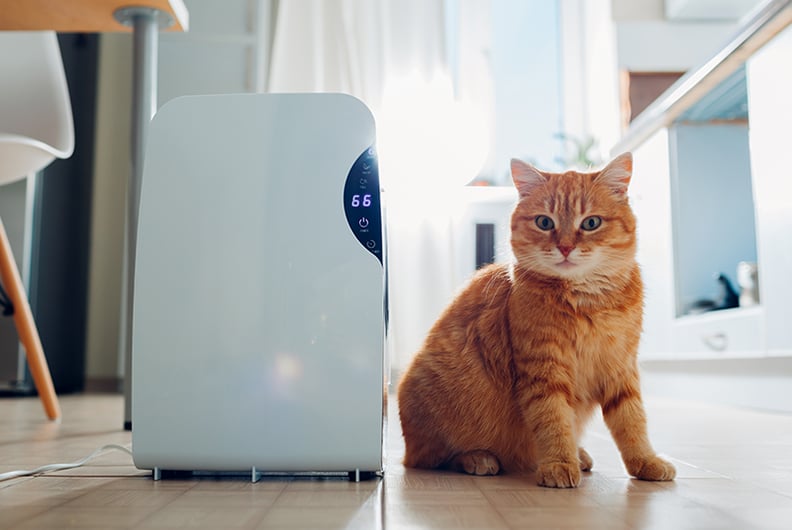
{"x": 104, "y": 385}
{"x": 761, "y": 383}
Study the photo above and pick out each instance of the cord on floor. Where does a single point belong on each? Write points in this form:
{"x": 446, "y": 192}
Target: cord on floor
{"x": 58, "y": 467}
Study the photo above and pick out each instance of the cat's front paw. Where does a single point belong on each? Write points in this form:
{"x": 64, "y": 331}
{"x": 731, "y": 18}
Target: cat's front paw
{"x": 558, "y": 475}
{"x": 586, "y": 463}
{"x": 651, "y": 468}
{"x": 477, "y": 463}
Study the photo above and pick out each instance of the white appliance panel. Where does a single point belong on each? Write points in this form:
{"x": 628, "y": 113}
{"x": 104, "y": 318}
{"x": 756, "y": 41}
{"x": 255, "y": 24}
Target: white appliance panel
{"x": 258, "y": 333}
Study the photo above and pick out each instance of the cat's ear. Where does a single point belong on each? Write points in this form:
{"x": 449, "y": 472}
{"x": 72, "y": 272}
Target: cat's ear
{"x": 526, "y": 177}
{"x": 617, "y": 174}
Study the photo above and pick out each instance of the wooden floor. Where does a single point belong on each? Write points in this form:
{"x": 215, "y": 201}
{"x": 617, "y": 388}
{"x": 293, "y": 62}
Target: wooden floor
{"x": 734, "y": 471}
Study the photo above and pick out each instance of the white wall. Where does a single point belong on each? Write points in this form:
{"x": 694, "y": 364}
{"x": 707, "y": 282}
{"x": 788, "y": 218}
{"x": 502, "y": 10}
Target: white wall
{"x": 111, "y": 171}
{"x": 649, "y": 41}
{"x": 661, "y": 46}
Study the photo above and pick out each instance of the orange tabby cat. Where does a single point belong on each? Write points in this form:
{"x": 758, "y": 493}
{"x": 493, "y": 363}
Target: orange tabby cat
{"x": 516, "y": 365}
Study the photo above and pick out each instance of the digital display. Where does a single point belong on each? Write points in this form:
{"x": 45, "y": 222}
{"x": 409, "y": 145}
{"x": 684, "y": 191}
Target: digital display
{"x": 362, "y": 202}
{"x": 359, "y": 200}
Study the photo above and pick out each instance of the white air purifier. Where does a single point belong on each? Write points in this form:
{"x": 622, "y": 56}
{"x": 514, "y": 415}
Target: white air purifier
{"x": 259, "y": 300}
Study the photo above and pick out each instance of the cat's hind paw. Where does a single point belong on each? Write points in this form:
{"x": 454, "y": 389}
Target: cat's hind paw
{"x": 651, "y": 468}
{"x": 477, "y": 462}
{"x": 586, "y": 463}
{"x": 558, "y": 475}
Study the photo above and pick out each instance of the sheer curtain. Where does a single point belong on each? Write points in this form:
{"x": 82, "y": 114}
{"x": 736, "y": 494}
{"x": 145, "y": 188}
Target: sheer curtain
{"x": 392, "y": 55}
{"x": 355, "y": 46}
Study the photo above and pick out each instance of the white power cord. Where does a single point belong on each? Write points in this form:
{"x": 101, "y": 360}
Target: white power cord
{"x": 57, "y": 467}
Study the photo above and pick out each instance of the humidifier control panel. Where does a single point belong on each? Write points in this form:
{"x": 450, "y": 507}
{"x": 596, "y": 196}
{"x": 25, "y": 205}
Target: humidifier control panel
{"x": 362, "y": 202}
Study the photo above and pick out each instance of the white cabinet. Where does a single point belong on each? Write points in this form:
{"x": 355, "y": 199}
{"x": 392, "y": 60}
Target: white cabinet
{"x": 650, "y": 197}
{"x": 770, "y": 103}
{"x": 709, "y": 193}
{"x": 730, "y": 333}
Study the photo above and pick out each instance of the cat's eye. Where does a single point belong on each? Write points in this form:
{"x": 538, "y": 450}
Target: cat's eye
{"x": 591, "y": 223}
{"x": 544, "y": 222}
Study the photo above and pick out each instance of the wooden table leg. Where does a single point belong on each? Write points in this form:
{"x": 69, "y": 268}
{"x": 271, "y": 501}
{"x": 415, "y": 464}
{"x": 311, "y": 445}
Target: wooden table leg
{"x": 26, "y": 328}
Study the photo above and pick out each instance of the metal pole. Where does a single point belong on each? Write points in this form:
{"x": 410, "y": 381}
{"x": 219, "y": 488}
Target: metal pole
{"x": 145, "y": 23}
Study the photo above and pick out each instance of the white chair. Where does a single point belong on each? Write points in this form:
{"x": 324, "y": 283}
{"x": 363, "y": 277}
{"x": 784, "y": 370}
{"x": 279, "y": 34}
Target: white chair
{"x": 36, "y": 126}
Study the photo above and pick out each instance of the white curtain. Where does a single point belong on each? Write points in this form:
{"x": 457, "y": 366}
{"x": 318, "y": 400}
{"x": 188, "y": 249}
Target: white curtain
{"x": 392, "y": 54}
{"x": 355, "y": 46}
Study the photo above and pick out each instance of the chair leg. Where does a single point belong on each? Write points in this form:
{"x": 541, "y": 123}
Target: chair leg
{"x": 26, "y": 328}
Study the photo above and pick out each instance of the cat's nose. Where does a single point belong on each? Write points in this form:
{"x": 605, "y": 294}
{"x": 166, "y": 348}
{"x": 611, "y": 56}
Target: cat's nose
{"x": 566, "y": 250}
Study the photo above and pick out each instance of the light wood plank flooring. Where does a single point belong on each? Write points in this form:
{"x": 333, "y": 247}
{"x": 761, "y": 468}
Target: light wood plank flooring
{"x": 734, "y": 467}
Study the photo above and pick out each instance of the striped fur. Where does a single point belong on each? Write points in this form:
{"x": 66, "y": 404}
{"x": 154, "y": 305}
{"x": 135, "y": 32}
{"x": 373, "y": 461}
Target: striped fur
{"x": 514, "y": 368}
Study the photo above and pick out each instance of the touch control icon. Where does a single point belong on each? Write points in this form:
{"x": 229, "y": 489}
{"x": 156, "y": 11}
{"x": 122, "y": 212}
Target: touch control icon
{"x": 371, "y": 243}
{"x": 363, "y": 223}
